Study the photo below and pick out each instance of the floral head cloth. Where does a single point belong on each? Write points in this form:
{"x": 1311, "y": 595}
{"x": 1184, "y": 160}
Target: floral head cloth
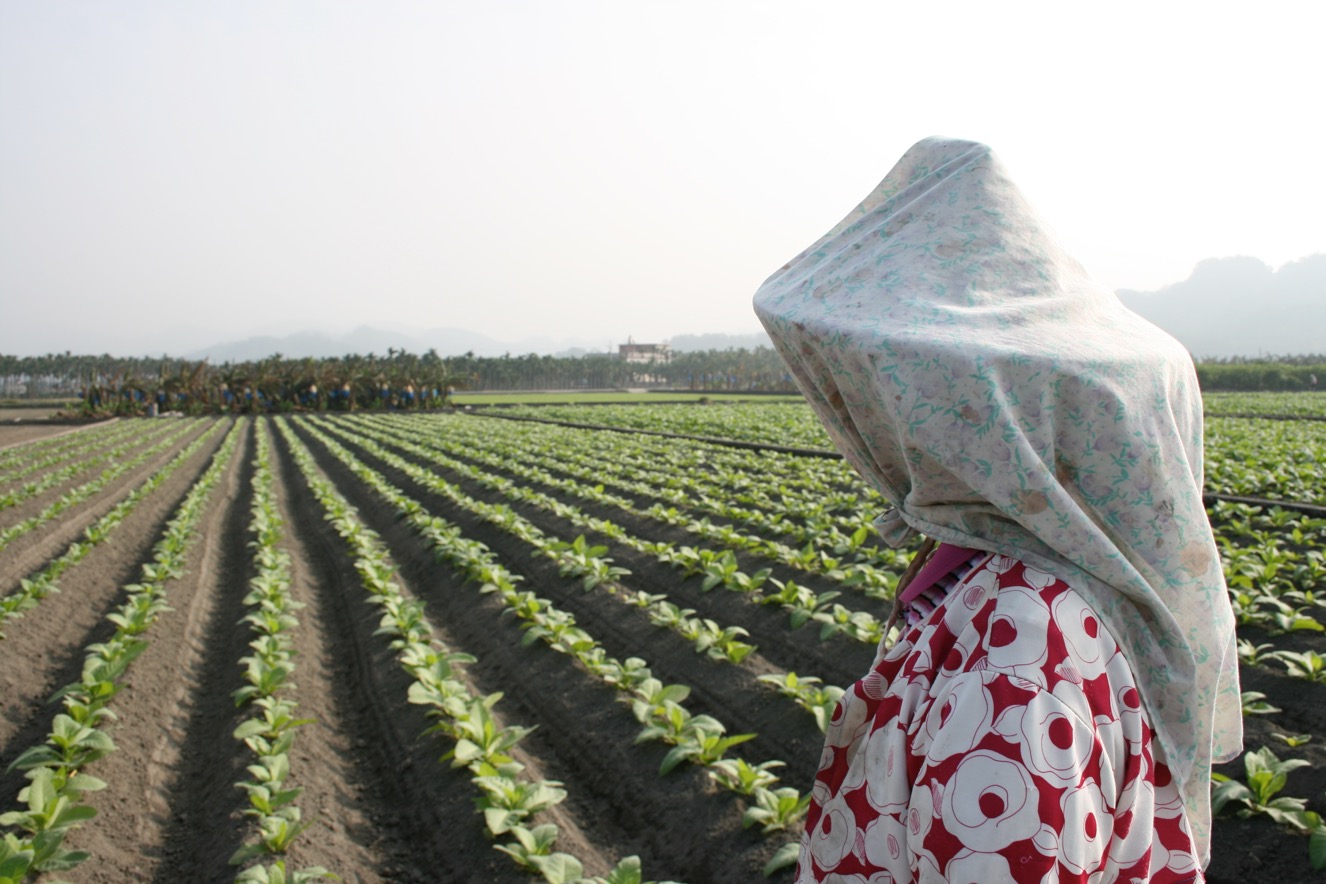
{"x": 972, "y": 372}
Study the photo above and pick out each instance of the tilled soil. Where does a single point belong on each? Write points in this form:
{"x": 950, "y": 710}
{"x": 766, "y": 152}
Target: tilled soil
{"x": 383, "y": 808}
{"x": 681, "y": 826}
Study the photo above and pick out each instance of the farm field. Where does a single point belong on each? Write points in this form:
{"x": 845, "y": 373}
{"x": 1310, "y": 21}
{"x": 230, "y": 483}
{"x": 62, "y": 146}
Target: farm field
{"x": 331, "y": 642}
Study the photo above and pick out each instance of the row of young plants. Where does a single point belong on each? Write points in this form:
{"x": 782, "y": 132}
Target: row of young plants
{"x": 31, "y": 457}
{"x": 820, "y": 475}
{"x": 697, "y": 738}
{"x": 53, "y": 477}
{"x": 36, "y": 586}
{"x": 710, "y": 638}
{"x": 1252, "y": 569}
{"x": 772, "y": 423}
{"x": 794, "y": 424}
{"x": 54, "y": 801}
{"x": 1274, "y": 568}
{"x": 47, "y": 449}
{"x": 1272, "y": 459}
{"x": 94, "y": 486}
{"x": 1278, "y": 460}
{"x": 835, "y": 542}
{"x": 830, "y": 542}
{"x": 590, "y": 563}
{"x": 269, "y": 733}
{"x": 717, "y": 568}
{"x": 1273, "y": 565}
{"x": 1272, "y": 557}
{"x": 1303, "y": 404}
{"x": 509, "y": 798}
{"x": 577, "y": 558}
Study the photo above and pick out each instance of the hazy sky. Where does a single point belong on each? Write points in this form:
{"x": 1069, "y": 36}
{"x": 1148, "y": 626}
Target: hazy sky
{"x": 175, "y": 174}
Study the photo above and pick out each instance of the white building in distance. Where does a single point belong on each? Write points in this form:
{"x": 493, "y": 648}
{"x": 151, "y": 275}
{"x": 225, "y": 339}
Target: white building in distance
{"x": 644, "y": 353}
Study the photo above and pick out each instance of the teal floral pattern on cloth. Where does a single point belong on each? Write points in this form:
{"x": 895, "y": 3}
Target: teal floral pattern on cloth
{"x": 973, "y": 373}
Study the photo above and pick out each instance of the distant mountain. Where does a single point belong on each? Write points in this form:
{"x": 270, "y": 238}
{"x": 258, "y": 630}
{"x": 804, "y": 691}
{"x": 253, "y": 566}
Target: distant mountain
{"x": 365, "y": 340}
{"x": 1242, "y": 307}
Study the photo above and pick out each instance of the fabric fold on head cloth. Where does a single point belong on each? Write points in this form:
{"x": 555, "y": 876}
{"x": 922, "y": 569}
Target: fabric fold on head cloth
{"x": 998, "y": 398}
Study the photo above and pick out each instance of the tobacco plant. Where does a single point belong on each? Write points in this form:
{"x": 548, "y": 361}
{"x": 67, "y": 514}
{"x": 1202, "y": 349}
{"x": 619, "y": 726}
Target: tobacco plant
{"x": 776, "y": 810}
{"x": 1266, "y": 776}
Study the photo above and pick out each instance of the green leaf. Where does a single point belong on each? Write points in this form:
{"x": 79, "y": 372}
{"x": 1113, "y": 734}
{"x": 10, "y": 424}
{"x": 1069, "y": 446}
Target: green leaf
{"x": 247, "y": 852}
{"x": 72, "y": 815}
{"x": 782, "y": 858}
{"x": 560, "y": 868}
{"x": 500, "y": 821}
{"x": 250, "y": 728}
{"x": 675, "y": 756}
{"x": 82, "y": 782}
{"x": 15, "y": 867}
{"x": 63, "y": 861}
{"x": 37, "y": 756}
{"x": 1317, "y": 848}
{"x": 627, "y": 871}
{"x": 262, "y": 874}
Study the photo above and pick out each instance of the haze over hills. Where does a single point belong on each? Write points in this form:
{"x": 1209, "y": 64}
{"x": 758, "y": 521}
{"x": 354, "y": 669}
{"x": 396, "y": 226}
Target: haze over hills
{"x": 1242, "y": 307}
{"x": 1238, "y": 306}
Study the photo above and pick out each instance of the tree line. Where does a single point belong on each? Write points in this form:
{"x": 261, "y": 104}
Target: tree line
{"x": 1249, "y": 375}
{"x": 134, "y": 385}
{"x": 407, "y": 380}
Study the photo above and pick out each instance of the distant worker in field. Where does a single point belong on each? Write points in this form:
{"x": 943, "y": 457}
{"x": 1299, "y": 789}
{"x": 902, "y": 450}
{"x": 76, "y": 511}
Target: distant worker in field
{"x": 1064, "y": 673}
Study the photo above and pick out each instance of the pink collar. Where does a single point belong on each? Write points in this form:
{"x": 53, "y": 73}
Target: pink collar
{"x": 945, "y": 558}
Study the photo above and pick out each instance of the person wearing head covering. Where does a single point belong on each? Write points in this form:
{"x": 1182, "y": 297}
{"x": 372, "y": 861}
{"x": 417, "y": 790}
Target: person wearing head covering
{"x": 1064, "y": 673}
